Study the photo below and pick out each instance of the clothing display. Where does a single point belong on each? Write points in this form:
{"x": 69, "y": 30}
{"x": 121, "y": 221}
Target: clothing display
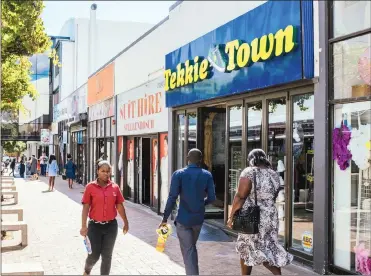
{"x": 340, "y": 141}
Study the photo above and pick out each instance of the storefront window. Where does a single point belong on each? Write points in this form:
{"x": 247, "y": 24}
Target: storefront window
{"x": 130, "y": 173}
{"x": 351, "y": 146}
{"x": 235, "y": 151}
{"x": 180, "y": 119}
{"x": 303, "y": 172}
{"x": 277, "y": 150}
{"x": 351, "y": 16}
{"x": 164, "y": 170}
{"x": 352, "y": 66}
{"x": 192, "y": 130}
{"x": 254, "y": 126}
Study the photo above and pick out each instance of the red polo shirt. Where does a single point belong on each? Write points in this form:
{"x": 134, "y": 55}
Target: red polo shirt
{"x": 102, "y": 200}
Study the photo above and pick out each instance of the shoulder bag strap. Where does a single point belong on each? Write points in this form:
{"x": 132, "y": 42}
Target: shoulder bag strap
{"x": 254, "y": 187}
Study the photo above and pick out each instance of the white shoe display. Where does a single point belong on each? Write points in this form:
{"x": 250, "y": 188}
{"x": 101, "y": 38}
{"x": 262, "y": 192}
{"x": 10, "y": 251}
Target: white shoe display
{"x": 280, "y": 166}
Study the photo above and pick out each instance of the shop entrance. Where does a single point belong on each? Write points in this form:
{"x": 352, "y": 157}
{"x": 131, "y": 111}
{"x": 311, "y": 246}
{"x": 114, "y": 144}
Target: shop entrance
{"x": 212, "y": 144}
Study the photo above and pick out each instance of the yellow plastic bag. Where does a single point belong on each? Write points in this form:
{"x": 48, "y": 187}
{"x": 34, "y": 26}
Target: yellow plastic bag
{"x": 163, "y": 233}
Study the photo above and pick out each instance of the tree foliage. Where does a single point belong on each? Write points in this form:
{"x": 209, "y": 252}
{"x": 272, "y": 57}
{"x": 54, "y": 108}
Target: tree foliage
{"x": 15, "y": 147}
{"x": 22, "y": 35}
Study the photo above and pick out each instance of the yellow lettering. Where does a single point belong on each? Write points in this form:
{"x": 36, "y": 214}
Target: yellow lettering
{"x": 173, "y": 80}
{"x": 243, "y": 55}
{"x": 285, "y": 40}
{"x": 188, "y": 73}
{"x": 167, "y": 79}
{"x": 230, "y": 49}
{"x": 262, "y": 48}
{"x": 204, "y": 69}
{"x": 180, "y": 75}
{"x": 195, "y": 69}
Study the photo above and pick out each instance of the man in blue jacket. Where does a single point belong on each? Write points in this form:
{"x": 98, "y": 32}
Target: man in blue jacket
{"x": 191, "y": 184}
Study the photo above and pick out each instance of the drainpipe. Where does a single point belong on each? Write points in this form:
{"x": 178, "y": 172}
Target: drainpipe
{"x": 92, "y": 38}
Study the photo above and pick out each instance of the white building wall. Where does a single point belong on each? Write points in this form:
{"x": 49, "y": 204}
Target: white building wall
{"x": 66, "y": 85}
{"x": 138, "y": 64}
{"x": 111, "y": 38}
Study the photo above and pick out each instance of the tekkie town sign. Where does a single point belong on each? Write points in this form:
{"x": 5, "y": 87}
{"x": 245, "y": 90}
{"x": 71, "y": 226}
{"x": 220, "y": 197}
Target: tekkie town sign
{"x": 232, "y": 56}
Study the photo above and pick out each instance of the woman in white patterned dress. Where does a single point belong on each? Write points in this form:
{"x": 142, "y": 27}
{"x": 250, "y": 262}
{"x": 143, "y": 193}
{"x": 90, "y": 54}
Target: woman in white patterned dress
{"x": 264, "y": 247}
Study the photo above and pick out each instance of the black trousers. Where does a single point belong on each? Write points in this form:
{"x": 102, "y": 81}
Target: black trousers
{"x": 102, "y": 238}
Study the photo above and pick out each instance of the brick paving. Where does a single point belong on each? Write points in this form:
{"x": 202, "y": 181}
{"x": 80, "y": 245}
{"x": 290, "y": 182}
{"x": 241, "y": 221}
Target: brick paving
{"x": 54, "y": 221}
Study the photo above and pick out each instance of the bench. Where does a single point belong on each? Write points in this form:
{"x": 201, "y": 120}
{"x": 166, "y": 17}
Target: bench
{"x": 14, "y": 193}
{"x": 9, "y": 210}
{"x": 7, "y": 181}
{"x": 16, "y": 226}
{"x": 8, "y": 187}
{"x": 22, "y": 269}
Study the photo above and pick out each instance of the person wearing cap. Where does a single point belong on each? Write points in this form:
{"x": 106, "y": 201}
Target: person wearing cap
{"x": 190, "y": 183}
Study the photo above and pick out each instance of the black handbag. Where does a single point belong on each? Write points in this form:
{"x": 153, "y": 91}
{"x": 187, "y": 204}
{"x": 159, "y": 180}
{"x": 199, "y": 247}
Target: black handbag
{"x": 247, "y": 221}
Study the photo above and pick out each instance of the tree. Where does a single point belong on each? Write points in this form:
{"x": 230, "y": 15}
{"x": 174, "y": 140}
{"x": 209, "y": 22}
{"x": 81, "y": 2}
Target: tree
{"x": 22, "y": 35}
{"x": 15, "y": 147}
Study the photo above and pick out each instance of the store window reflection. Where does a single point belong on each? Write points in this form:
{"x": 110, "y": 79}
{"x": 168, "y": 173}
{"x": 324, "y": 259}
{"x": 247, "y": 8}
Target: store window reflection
{"x": 192, "y": 130}
{"x": 180, "y": 140}
{"x": 303, "y": 172}
{"x": 351, "y": 143}
{"x": 351, "y": 16}
{"x": 352, "y": 67}
{"x": 234, "y": 151}
{"x": 277, "y": 150}
{"x": 254, "y": 126}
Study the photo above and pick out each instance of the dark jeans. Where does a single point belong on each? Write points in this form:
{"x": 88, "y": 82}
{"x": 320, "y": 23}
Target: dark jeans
{"x": 188, "y": 236}
{"x": 102, "y": 238}
{"x": 43, "y": 169}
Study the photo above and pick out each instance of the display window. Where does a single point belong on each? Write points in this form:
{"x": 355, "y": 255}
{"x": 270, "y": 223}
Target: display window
{"x": 351, "y": 148}
{"x": 164, "y": 171}
{"x": 352, "y": 67}
{"x": 154, "y": 172}
{"x": 350, "y": 17}
{"x": 130, "y": 173}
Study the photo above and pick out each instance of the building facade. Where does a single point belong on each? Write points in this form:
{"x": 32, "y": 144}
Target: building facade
{"x": 88, "y": 43}
{"x": 253, "y": 74}
{"x": 101, "y": 119}
{"x": 142, "y": 144}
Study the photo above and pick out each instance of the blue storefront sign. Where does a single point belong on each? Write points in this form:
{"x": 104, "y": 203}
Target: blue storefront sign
{"x": 270, "y": 45}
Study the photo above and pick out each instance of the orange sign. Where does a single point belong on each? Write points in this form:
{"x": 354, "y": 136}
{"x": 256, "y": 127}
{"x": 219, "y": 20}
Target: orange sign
{"x": 100, "y": 86}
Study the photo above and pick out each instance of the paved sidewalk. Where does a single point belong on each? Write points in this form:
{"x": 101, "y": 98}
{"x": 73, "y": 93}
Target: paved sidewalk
{"x": 54, "y": 221}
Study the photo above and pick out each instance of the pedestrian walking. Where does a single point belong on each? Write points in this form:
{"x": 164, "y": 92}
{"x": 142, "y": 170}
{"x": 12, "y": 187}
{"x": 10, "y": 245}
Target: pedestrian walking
{"x": 12, "y": 167}
{"x": 262, "y": 248}
{"x": 70, "y": 171}
{"x": 191, "y": 184}
{"x": 22, "y": 168}
{"x": 101, "y": 201}
{"x": 28, "y": 166}
{"x": 43, "y": 164}
{"x": 34, "y": 168}
{"x": 52, "y": 169}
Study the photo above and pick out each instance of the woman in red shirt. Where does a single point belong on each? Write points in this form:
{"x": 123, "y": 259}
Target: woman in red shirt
{"x": 102, "y": 200}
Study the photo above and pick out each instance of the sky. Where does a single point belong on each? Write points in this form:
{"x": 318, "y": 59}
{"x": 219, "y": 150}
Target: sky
{"x": 56, "y": 13}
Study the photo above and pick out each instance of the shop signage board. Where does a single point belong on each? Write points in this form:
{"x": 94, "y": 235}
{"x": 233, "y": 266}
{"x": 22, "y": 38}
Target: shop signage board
{"x": 270, "y": 45}
{"x": 101, "y": 110}
{"x": 72, "y": 106}
{"x": 142, "y": 109}
{"x": 101, "y": 85}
